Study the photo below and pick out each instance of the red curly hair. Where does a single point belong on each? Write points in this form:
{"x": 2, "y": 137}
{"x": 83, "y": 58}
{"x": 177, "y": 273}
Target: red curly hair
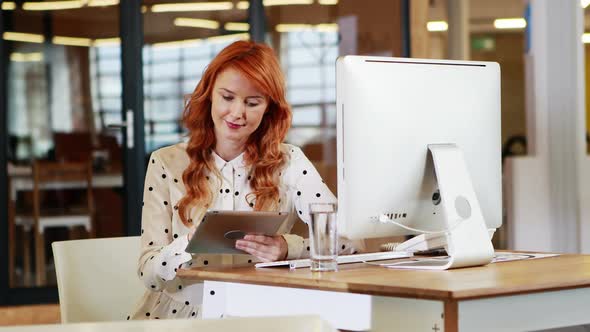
{"x": 258, "y": 63}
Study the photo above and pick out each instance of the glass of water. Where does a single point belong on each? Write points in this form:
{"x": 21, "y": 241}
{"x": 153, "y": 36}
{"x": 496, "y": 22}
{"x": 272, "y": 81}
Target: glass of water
{"x": 323, "y": 237}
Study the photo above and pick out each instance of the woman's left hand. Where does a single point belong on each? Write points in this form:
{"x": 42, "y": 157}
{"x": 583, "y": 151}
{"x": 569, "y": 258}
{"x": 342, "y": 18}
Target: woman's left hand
{"x": 265, "y": 248}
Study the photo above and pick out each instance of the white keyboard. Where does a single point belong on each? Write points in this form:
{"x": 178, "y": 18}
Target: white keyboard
{"x": 344, "y": 259}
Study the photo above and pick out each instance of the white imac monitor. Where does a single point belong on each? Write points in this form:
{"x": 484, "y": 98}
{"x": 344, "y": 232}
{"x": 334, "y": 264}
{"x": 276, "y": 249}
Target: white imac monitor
{"x": 389, "y": 111}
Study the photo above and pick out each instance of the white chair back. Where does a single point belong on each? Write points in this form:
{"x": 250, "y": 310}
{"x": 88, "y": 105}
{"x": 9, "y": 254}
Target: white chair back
{"x": 97, "y": 278}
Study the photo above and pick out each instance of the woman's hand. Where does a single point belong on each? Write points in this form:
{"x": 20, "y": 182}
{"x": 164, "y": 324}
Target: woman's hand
{"x": 265, "y": 248}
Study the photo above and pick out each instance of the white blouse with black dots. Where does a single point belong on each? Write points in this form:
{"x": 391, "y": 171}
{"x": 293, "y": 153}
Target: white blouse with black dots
{"x": 164, "y": 236}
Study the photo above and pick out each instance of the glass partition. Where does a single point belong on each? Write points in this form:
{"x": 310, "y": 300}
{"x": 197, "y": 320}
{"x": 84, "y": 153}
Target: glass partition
{"x": 64, "y": 165}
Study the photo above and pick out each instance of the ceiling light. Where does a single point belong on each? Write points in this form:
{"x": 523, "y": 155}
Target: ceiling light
{"x": 242, "y": 5}
{"x": 584, "y": 3}
{"x": 71, "y": 41}
{"x": 178, "y": 43}
{"x": 286, "y": 2}
{"x": 226, "y": 38}
{"x": 144, "y": 9}
{"x": 586, "y": 38}
{"x": 196, "y": 23}
{"x": 107, "y": 42}
{"x": 192, "y": 6}
{"x": 54, "y": 5}
{"x": 8, "y": 5}
{"x": 292, "y": 27}
{"x": 328, "y": 2}
{"x": 236, "y": 26}
{"x": 510, "y": 23}
{"x": 327, "y": 27}
{"x": 26, "y": 57}
{"x": 23, "y": 37}
{"x": 437, "y": 26}
{"x": 102, "y": 3}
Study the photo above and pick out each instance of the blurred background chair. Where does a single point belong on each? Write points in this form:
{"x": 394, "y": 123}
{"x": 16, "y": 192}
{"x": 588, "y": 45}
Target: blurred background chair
{"x": 55, "y": 203}
{"x": 97, "y": 278}
{"x": 73, "y": 147}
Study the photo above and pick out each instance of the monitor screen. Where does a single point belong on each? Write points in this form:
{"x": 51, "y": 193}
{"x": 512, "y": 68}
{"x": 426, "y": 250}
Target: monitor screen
{"x": 389, "y": 111}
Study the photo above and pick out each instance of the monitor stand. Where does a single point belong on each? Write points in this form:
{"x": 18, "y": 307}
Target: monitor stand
{"x": 467, "y": 239}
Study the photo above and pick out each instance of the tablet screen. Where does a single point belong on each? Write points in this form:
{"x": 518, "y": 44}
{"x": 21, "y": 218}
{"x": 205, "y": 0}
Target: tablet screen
{"x": 219, "y": 230}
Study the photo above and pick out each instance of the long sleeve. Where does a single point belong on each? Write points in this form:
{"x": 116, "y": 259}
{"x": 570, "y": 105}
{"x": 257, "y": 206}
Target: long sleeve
{"x": 162, "y": 250}
{"x": 305, "y": 186}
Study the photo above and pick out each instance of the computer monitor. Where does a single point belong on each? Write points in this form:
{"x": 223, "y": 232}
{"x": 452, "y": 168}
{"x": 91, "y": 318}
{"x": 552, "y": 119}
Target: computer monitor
{"x": 388, "y": 112}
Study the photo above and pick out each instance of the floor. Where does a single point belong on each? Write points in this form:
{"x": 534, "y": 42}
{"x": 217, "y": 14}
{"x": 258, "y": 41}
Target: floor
{"x": 29, "y": 315}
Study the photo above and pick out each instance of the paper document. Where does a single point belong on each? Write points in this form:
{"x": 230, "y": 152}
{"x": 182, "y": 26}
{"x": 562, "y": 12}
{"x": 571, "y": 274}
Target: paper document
{"x": 433, "y": 263}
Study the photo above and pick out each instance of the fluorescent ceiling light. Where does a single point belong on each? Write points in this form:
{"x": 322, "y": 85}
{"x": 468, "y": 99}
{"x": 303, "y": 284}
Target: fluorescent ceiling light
{"x": 24, "y": 37}
{"x": 584, "y": 3}
{"x": 437, "y": 26}
{"x": 586, "y": 38}
{"x": 325, "y": 27}
{"x": 510, "y": 23}
{"x": 102, "y": 3}
{"x": 286, "y": 2}
{"x": 54, "y": 5}
{"x": 196, "y": 23}
{"x": 328, "y": 2}
{"x": 26, "y": 57}
{"x": 236, "y": 26}
{"x": 107, "y": 42}
{"x": 242, "y": 5}
{"x": 178, "y": 43}
{"x": 8, "y": 5}
{"x": 72, "y": 41}
{"x": 226, "y": 38}
{"x": 195, "y": 42}
{"x": 292, "y": 27}
{"x": 192, "y": 6}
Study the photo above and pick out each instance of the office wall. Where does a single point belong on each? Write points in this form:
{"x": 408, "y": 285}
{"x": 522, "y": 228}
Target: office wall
{"x": 379, "y": 28}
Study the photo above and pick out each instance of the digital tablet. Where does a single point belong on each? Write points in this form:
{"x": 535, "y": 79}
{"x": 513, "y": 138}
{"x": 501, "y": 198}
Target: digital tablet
{"x": 219, "y": 230}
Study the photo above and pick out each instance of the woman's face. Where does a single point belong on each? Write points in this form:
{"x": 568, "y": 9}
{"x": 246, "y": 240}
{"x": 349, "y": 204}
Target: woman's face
{"x": 237, "y": 107}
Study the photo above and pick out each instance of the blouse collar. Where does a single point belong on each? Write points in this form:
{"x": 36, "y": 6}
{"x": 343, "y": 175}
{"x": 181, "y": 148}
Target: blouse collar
{"x": 237, "y": 162}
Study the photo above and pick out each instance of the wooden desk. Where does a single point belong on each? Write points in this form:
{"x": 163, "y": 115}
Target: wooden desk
{"x": 509, "y": 296}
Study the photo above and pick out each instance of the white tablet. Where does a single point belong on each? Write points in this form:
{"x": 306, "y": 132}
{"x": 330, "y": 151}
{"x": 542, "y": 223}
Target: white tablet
{"x": 219, "y": 230}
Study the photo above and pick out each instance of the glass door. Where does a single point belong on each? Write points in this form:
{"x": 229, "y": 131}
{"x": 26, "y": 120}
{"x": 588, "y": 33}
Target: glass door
{"x": 67, "y": 159}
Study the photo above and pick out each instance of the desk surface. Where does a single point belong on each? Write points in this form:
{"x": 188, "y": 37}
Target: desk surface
{"x": 506, "y": 278}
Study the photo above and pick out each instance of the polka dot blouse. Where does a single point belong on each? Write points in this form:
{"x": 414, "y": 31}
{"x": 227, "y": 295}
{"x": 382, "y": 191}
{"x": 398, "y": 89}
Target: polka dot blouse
{"x": 164, "y": 236}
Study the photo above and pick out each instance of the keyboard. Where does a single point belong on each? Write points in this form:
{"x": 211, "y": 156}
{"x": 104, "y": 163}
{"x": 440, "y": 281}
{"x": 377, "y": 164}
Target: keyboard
{"x": 344, "y": 259}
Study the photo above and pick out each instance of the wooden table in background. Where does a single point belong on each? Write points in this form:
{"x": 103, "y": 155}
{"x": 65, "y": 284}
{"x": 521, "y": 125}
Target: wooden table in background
{"x": 509, "y": 296}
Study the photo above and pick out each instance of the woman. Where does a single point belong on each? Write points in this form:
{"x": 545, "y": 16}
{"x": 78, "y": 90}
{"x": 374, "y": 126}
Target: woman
{"x": 237, "y": 119}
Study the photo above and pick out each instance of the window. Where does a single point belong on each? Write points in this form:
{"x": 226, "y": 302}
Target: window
{"x": 169, "y": 73}
{"x": 308, "y": 58}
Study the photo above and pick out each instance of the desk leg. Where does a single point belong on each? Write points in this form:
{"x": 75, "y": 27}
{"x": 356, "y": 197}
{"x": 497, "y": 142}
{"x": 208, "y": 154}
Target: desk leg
{"x": 214, "y": 300}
